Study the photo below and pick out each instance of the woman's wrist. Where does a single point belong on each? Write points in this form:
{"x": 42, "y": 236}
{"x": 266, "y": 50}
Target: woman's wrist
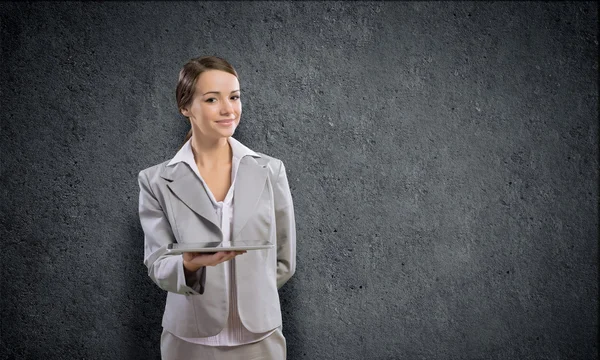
{"x": 190, "y": 269}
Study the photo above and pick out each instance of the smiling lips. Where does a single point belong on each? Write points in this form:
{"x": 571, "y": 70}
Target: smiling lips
{"x": 226, "y": 122}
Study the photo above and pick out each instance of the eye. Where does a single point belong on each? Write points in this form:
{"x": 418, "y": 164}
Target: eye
{"x": 211, "y": 100}
{"x": 235, "y": 97}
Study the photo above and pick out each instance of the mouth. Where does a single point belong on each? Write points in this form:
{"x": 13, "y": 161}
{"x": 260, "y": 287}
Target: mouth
{"x": 226, "y": 122}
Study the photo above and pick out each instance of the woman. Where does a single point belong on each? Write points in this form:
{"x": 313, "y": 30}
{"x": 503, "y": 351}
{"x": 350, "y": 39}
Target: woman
{"x": 223, "y": 305}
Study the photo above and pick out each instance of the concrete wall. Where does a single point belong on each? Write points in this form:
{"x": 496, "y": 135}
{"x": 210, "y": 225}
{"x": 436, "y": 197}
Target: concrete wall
{"x": 443, "y": 159}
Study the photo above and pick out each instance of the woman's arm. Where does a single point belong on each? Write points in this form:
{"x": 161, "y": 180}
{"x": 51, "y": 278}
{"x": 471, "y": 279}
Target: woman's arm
{"x": 183, "y": 274}
{"x": 166, "y": 271}
{"x": 285, "y": 228}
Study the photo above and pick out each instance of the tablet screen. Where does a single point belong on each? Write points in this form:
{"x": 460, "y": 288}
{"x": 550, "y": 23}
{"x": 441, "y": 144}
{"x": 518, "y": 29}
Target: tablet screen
{"x": 217, "y": 246}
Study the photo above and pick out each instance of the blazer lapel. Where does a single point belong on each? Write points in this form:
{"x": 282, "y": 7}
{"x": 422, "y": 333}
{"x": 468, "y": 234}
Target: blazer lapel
{"x": 189, "y": 189}
{"x": 249, "y": 185}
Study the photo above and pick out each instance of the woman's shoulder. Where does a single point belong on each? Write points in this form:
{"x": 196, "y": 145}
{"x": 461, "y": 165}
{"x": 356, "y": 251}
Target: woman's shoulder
{"x": 153, "y": 171}
{"x": 274, "y": 165}
{"x": 269, "y": 160}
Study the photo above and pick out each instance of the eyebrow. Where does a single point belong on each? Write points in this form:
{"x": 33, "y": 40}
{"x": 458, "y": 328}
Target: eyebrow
{"x": 216, "y": 92}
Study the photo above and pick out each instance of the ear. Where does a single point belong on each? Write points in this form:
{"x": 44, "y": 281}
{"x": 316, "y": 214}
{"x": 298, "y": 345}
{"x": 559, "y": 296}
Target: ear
{"x": 185, "y": 112}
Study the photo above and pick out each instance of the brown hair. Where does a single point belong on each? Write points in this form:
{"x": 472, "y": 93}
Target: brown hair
{"x": 186, "y": 85}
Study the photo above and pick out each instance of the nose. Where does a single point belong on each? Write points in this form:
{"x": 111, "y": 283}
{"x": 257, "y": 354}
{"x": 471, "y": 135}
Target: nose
{"x": 226, "y": 108}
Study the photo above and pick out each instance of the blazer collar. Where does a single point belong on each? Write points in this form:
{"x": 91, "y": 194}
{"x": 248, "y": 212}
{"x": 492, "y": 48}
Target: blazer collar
{"x": 185, "y": 154}
{"x": 188, "y": 188}
{"x": 249, "y": 185}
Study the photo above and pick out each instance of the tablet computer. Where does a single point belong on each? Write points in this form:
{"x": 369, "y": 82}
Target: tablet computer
{"x": 215, "y": 246}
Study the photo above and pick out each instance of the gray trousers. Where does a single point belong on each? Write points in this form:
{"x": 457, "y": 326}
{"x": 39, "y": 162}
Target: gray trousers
{"x": 269, "y": 348}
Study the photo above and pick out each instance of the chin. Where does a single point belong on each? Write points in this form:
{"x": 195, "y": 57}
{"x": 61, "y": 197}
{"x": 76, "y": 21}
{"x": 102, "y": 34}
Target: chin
{"x": 228, "y": 132}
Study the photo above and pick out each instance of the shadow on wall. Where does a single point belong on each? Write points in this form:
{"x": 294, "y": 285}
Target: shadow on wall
{"x": 288, "y": 296}
{"x": 144, "y": 301}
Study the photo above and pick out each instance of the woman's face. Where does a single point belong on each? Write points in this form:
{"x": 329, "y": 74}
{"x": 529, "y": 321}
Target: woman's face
{"x": 216, "y": 108}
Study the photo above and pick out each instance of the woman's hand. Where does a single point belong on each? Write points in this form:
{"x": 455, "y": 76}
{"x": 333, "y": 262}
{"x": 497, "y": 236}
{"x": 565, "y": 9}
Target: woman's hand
{"x": 192, "y": 261}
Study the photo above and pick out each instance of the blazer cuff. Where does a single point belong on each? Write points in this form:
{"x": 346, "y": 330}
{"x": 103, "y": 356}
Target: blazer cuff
{"x": 192, "y": 284}
{"x": 196, "y": 280}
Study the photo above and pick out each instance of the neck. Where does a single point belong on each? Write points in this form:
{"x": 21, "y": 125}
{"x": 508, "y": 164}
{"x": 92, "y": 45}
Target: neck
{"x": 211, "y": 152}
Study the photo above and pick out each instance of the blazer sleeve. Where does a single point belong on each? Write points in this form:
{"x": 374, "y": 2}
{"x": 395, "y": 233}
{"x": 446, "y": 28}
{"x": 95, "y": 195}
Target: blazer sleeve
{"x": 285, "y": 225}
{"x": 165, "y": 270}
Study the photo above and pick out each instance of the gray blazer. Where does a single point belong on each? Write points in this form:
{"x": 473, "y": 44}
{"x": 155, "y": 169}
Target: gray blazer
{"x": 174, "y": 207}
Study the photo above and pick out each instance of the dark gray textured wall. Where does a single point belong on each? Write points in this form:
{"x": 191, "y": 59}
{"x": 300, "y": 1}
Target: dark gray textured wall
{"x": 443, "y": 159}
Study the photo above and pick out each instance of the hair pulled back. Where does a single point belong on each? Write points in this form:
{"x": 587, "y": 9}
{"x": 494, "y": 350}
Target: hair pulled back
{"x": 188, "y": 76}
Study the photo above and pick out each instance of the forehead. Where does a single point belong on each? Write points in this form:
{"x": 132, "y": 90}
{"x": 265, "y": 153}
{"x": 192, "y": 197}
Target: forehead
{"x": 217, "y": 80}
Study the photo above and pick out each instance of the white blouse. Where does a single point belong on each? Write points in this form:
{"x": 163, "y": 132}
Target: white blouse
{"x": 234, "y": 333}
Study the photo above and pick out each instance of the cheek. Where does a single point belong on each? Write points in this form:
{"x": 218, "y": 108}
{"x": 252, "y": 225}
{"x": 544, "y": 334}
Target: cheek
{"x": 204, "y": 113}
{"x": 209, "y": 113}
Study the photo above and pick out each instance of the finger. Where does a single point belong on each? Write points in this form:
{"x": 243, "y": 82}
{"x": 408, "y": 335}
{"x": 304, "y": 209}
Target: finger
{"x": 189, "y": 256}
{"x": 204, "y": 259}
{"x": 221, "y": 257}
{"x": 218, "y": 257}
{"x": 215, "y": 258}
{"x": 232, "y": 254}
{"x": 227, "y": 257}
